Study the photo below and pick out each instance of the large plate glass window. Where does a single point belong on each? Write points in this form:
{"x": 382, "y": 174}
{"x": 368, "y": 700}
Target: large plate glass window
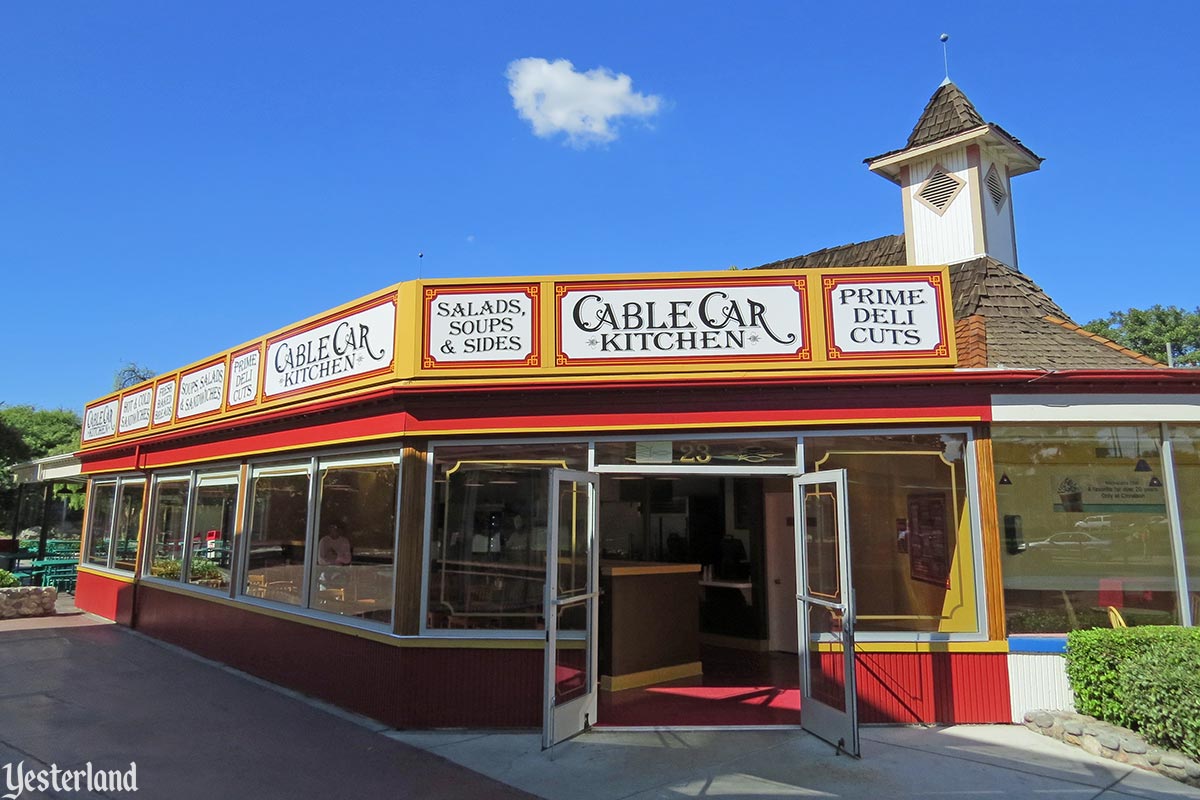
{"x": 168, "y": 516}
{"x": 487, "y": 547}
{"x": 1084, "y": 526}
{"x": 911, "y": 515}
{"x": 100, "y": 522}
{"x": 354, "y": 573}
{"x": 277, "y": 533}
{"x": 213, "y": 516}
{"x": 1185, "y": 447}
{"x": 128, "y": 524}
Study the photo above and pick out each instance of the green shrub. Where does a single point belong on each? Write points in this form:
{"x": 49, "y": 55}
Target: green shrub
{"x": 1160, "y": 690}
{"x": 7, "y": 579}
{"x": 166, "y": 568}
{"x": 204, "y": 570}
{"x": 1145, "y": 678}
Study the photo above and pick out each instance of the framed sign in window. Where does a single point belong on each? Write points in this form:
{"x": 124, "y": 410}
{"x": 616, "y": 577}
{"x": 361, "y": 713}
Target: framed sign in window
{"x": 928, "y": 538}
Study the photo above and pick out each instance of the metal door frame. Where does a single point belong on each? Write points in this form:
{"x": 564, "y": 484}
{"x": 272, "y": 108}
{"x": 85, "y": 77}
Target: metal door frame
{"x": 836, "y": 726}
{"x": 562, "y": 722}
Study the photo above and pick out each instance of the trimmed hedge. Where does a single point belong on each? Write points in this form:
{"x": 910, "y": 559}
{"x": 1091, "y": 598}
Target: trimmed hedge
{"x": 1146, "y": 679}
{"x": 8, "y": 580}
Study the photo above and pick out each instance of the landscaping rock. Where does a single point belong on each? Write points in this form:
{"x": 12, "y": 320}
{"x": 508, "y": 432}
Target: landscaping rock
{"x": 27, "y": 601}
{"x": 1110, "y": 741}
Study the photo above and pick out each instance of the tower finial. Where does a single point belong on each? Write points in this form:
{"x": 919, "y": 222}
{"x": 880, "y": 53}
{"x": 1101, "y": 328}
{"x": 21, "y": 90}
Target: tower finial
{"x": 945, "y": 37}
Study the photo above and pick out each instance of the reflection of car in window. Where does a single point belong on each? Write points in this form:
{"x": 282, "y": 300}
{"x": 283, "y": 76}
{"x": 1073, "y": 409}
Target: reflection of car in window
{"x": 1095, "y": 521}
{"x": 1073, "y": 544}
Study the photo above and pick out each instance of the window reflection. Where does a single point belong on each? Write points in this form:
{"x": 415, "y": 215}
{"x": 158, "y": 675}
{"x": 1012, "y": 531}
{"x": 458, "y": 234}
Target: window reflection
{"x": 354, "y": 573}
{"x": 276, "y": 541}
{"x": 166, "y": 528}
{"x": 214, "y": 510}
{"x": 1083, "y": 519}
{"x": 488, "y": 544}
{"x": 1185, "y": 444}
{"x": 100, "y": 523}
{"x": 129, "y": 520}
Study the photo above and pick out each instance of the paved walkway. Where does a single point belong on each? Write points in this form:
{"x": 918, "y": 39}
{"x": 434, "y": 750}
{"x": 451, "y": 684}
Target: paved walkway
{"x": 75, "y": 689}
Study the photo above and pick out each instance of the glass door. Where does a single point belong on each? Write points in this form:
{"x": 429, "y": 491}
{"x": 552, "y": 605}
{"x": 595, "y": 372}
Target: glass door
{"x": 572, "y": 592}
{"x": 825, "y": 607}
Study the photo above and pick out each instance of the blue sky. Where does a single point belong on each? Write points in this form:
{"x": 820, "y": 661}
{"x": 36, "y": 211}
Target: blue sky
{"x": 179, "y": 178}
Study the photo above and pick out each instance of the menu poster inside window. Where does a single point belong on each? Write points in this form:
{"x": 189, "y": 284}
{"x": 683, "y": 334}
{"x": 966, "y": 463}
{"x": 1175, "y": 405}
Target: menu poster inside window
{"x": 488, "y": 326}
{"x": 1108, "y": 489}
{"x": 929, "y": 538}
{"x": 896, "y": 316}
{"x": 701, "y": 320}
{"x": 348, "y": 346}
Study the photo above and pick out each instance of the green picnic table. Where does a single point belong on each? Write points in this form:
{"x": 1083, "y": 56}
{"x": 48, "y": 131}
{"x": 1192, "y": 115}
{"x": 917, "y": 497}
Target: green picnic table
{"x": 56, "y": 572}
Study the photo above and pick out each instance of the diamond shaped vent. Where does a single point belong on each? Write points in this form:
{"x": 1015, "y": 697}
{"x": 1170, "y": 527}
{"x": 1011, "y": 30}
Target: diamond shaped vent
{"x": 939, "y": 189}
{"x": 995, "y": 187}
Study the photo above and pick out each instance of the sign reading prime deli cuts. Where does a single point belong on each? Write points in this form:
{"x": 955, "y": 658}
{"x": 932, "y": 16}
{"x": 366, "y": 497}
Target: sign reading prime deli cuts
{"x": 100, "y": 421}
{"x": 698, "y": 319}
{"x": 349, "y": 346}
{"x": 243, "y": 378}
{"x": 895, "y": 315}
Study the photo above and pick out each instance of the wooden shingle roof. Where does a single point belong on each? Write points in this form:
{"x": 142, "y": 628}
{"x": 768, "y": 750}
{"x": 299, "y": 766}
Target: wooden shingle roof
{"x": 1002, "y": 318}
{"x": 948, "y": 112}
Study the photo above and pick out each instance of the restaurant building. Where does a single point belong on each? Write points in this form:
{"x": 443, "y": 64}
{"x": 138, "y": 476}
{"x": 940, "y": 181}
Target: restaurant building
{"x": 877, "y": 483}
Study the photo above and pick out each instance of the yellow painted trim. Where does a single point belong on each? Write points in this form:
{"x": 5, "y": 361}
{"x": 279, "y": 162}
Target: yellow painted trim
{"x": 103, "y": 573}
{"x": 650, "y": 569}
{"x": 362, "y": 633}
{"x": 633, "y": 680}
{"x": 919, "y": 647}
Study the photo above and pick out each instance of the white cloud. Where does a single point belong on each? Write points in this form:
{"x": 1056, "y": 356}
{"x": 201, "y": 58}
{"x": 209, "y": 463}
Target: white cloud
{"x": 554, "y": 98}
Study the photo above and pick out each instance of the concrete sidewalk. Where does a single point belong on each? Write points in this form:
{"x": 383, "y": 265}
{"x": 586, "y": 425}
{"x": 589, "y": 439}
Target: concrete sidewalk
{"x": 76, "y": 690}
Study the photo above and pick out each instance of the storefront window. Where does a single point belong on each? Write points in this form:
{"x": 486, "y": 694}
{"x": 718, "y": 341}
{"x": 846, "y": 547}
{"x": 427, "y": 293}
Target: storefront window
{"x": 129, "y": 521}
{"x": 911, "y": 547}
{"x": 356, "y": 545}
{"x": 488, "y": 543}
{"x": 1083, "y": 523}
{"x": 277, "y": 535}
{"x": 214, "y": 510}
{"x": 1185, "y": 447}
{"x": 166, "y": 527}
{"x": 100, "y": 522}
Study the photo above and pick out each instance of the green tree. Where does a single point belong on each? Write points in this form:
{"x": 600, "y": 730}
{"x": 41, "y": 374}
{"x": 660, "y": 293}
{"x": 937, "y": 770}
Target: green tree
{"x": 131, "y": 374}
{"x": 27, "y": 432}
{"x": 1149, "y": 330}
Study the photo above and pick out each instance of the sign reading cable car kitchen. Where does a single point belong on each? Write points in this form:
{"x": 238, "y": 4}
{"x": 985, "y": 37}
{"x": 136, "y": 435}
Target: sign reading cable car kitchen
{"x": 697, "y": 320}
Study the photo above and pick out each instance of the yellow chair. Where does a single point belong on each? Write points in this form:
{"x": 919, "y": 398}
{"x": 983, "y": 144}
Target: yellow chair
{"x": 1115, "y": 619}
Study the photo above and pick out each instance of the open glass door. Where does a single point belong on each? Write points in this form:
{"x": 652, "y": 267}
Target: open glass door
{"x": 825, "y": 607}
{"x": 572, "y": 584}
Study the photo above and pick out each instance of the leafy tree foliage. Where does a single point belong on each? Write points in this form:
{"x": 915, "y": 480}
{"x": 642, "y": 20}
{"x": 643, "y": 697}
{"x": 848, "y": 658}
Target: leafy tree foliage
{"x": 1148, "y": 331}
{"x": 131, "y": 374}
{"x": 27, "y": 433}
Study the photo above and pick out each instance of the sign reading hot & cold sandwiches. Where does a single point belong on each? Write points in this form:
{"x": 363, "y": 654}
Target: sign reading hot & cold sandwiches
{"x": 135, "y": 410}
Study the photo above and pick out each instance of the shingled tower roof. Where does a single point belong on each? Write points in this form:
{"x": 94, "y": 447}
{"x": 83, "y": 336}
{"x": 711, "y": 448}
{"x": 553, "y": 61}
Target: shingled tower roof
{"x": 948, "y": 112}
{"x": 1002, "y": 318}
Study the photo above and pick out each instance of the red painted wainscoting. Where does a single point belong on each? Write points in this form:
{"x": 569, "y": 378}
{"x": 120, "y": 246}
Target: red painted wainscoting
{"x": 406, "y": 687}
{"x": 105, "y": 597}
{"x": 929, "y": 687}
